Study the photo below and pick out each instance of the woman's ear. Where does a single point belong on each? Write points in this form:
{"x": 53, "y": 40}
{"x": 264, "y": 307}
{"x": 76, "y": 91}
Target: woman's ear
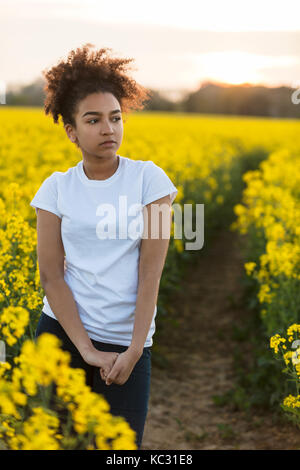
{"x": 70, "y": 133}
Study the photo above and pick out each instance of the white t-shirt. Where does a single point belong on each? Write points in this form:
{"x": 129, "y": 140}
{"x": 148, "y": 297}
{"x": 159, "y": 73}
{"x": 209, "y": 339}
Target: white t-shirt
{"x": 101, "y": 229}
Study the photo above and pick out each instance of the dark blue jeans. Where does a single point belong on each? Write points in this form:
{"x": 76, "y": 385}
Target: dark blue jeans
{"x": 129, "y": 400}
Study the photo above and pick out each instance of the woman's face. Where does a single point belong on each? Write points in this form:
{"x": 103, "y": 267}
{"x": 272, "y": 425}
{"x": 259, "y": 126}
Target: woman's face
{"x": 98, "y": 119}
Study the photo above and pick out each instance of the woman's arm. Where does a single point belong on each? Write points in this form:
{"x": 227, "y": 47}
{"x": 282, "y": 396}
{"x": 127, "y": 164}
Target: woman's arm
{"x": 153, "y": 253}
{"x": 50, "y": 251}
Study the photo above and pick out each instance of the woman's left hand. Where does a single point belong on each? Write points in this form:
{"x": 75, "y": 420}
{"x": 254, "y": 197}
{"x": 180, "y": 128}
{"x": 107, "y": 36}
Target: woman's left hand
{"x": 122, "y": 368}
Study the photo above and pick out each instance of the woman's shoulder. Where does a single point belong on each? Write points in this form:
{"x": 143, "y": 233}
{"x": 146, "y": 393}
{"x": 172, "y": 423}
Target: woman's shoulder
{"x": 59, "y": 174}
{"x": 138, "y": 163}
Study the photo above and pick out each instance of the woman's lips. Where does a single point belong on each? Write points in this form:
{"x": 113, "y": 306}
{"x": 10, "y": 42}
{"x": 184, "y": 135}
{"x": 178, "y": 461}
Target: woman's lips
{"x": 108, "y": 144}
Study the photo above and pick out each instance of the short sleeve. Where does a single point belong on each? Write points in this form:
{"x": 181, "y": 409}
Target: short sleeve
{"x": 156, "y": 184}
{"x": 46, "y": 196}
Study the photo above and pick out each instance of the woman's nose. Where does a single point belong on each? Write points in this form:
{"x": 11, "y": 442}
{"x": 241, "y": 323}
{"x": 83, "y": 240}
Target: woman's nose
{"x": 107, "y": 127}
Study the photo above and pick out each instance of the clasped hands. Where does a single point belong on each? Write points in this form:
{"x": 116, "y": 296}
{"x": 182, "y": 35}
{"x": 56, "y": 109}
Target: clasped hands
{"x": 114, "y": 367}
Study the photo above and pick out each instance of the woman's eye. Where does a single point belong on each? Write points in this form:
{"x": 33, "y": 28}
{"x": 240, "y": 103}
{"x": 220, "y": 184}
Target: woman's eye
{"x": 117, "y": 118}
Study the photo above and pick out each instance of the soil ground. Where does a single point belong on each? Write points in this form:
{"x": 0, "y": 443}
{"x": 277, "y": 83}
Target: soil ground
{"x": 182, "y": 413}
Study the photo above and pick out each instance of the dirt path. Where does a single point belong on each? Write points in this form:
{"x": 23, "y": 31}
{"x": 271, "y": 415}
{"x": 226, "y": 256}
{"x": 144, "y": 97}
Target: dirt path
{"x": 182, "y": 414}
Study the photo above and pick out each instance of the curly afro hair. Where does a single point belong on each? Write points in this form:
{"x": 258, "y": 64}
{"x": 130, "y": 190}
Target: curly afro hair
{"x": 86, "y": 72}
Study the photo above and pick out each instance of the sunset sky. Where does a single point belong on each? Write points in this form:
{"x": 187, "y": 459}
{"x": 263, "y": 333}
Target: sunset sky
{"x": 176, "y": 45}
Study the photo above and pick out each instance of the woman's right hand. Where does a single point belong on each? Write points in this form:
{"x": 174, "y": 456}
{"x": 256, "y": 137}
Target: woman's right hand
{"x": 102, "y": 359}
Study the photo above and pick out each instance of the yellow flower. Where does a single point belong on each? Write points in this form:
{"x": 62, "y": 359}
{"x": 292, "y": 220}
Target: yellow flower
{"x": 292, "y": 402}
{"x": 287, "y": 356}
{"x": 179, "y": 245}
{"x": 220, "y": 199}
{"x": 13, "y": 321}
{"x": 295, "y": 328}
{"x": 39, "y": 432}
{"x": 249, "y": 267}
{"x": 275, "y": 342}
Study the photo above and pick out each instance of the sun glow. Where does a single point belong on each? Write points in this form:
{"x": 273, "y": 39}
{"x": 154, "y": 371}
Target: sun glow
{"x": 236, "y": 67}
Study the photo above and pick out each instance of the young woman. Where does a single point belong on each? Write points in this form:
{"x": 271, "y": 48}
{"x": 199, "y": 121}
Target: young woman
{"x": 100, "y": 216}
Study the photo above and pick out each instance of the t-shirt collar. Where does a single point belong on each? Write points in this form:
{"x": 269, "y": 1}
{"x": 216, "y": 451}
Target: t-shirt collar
{"x": 98, "y": 183}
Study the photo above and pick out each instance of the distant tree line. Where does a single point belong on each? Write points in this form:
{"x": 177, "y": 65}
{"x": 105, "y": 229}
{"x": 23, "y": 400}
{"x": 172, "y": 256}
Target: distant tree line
{"x": 210, "y": 98}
